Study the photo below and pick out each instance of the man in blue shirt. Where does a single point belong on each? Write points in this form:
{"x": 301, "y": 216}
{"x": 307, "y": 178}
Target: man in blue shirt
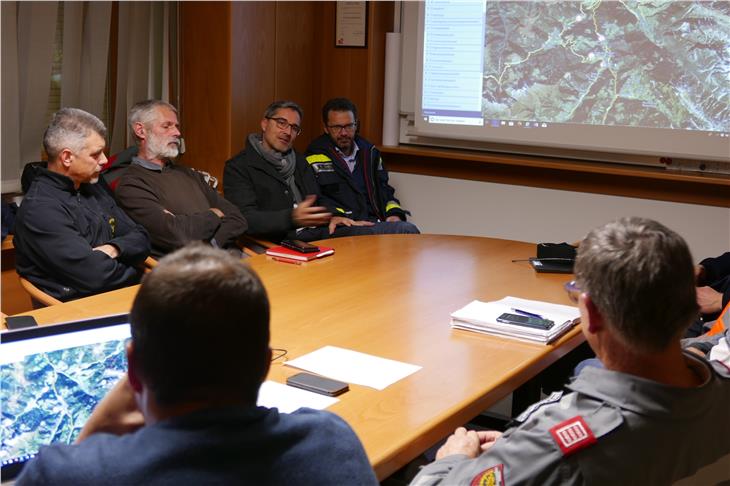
{"x": 186, "y": 412}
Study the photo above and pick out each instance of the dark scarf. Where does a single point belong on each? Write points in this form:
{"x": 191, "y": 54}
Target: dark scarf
{"x": 285, "y": 164}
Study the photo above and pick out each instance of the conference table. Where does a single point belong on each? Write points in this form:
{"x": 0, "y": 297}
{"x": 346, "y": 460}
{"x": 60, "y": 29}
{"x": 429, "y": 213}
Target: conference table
{"x": 391, "y": 296}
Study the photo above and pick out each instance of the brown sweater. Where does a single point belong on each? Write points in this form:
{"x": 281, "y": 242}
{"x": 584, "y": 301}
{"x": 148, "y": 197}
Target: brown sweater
{"x": 173, "y": 204}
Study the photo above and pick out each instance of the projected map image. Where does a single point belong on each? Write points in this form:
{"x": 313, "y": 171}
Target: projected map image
{"x": 658, "y": 64}
{"x": 48, "y": 397}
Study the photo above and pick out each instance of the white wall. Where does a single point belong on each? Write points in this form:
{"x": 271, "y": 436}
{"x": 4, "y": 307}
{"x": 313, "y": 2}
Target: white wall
{"x": 451, "y": 206}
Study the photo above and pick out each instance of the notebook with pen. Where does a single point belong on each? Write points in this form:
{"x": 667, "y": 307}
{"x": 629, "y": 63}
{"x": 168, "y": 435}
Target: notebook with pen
{"x": 485, "y": 317}
{"x": 287, "y": 253}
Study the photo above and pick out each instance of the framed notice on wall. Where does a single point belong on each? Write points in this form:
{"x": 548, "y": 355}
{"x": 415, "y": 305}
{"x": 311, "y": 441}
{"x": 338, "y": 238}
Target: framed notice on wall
{"x": 351, "y": 24}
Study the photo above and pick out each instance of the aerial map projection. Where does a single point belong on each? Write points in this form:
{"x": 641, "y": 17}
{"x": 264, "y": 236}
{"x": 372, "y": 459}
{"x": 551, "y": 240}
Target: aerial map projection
{"x": 49, "y": 396}
{"x": 657, "y": 64}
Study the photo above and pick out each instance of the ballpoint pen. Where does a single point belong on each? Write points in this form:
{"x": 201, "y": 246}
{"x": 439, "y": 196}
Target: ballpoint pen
{"x": 286, "y": 260}
{"x": 525, "y": 313}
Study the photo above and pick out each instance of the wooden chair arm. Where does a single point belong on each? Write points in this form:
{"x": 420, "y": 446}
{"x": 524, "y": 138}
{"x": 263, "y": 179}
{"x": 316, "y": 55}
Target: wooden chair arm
{"x": 37, "y": 295}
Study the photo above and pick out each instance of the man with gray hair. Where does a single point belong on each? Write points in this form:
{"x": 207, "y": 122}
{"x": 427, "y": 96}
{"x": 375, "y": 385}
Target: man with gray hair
{"x": 275, "y": 189}
{"x": 173, "y": 202}
{"x": 653, "y": 415}
{"x": 71, "y": 238}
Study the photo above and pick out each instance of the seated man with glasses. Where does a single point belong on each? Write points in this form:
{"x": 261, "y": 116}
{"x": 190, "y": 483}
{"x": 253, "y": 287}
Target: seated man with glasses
{"x": 351, "y": 174}
{"x": 653, "y": 415}
{"x": 275, "y": 189}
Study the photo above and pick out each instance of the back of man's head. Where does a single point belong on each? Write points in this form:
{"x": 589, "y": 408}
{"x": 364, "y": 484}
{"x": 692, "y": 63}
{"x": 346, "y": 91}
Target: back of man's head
{"x": 338, "y": 104}
{"x": 145, "y": 112}
{"x": 69, "y": 128}
{"x": 639, "y": 275}
{"x": 200, "y": 328}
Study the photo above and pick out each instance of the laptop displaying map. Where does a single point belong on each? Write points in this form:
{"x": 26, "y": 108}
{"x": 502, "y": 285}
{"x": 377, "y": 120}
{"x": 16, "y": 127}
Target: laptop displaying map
{"x": 51, "y": 378}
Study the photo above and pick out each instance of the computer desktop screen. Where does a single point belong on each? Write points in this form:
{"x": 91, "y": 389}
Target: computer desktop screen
{"x": 51, "y": 378}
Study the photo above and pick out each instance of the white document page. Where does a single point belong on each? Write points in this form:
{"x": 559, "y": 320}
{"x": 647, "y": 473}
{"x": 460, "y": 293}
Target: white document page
{"x": 353, "y": 367}
{"x": 288, "y": 399}
{"x": 487, "y": 312}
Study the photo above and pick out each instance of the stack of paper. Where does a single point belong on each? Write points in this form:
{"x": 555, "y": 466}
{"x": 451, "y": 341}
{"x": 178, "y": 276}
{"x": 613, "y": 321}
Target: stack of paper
{"x": 482, "y": 317}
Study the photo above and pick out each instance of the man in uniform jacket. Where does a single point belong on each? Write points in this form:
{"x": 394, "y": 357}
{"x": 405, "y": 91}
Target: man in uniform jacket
{"x": 351, "y": 174}
{"x": 173, "y": 202}
{"x": 652, "y": 415}
{"x": 71, "y": 238}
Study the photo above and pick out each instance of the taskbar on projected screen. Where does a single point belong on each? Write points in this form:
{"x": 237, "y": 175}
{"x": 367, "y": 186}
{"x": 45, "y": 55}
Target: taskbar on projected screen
{"x": 492, "y": 123}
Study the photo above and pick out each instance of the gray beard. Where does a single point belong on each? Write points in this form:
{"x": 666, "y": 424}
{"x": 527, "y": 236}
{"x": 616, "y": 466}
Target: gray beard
{"x": 161, "y": 150}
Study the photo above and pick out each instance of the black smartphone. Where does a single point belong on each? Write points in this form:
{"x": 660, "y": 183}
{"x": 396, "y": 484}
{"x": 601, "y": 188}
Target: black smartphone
{"x": 317, "y": 384}
{"x": 20, "y": 322}
{"x": 526, "y": 321}
{"x": 300, "y": 246}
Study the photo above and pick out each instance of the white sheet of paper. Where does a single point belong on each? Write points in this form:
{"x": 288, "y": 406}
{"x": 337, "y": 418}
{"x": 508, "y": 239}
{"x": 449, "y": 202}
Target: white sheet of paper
{"x": 354, "y": 367}
{"x": 288, "y": 399}
{"x": 488, "y": 312}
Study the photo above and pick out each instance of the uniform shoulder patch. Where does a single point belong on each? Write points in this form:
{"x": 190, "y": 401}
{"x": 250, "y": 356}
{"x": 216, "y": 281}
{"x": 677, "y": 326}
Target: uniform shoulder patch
{"x": 573, "y": 435}
{"x": 494, "y": 476}
{"x": 318, "y": 158}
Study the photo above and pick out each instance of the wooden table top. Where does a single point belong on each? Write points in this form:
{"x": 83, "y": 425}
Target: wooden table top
{"x": 391, "y": 296}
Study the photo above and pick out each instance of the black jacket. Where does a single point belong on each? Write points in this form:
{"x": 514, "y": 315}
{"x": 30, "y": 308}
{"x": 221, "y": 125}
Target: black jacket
{"x": 339, "y": 189}
{"x": 262, "y": 195}
{"x": 717, "y": 275}
{"x": 58, "y": 227}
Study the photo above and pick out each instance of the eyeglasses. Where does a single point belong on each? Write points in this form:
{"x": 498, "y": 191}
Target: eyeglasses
{"x": 350, "y": 127}
{"x": 573, "y": 290}
{"x": 283, "y": 124}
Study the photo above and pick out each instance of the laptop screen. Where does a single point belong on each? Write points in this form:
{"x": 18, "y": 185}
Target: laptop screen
{"x": 51, "y": 378}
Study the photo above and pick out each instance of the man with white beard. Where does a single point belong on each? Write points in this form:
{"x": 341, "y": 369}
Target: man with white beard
{"x": 173, "y": 202}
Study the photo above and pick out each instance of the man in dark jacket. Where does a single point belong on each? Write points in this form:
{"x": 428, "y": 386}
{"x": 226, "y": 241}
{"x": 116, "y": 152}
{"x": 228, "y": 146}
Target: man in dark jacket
{"x": 713, "y": 284}
{"x": 173, "y": 202}
{"x": 185, "y": 412}
{"x": 276, "y": 191}
{"x": 71, "y": 238}
{"x": 350, "y": 171}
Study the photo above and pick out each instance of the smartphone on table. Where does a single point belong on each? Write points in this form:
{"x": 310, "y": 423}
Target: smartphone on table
{"x": 317, "y": 384}
{"x": 300, "y": 246}
{"x": 527, "y": 321}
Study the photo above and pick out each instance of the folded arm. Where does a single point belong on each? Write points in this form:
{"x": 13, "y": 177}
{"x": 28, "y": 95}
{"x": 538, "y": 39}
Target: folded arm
{"x": 168, "y": 231}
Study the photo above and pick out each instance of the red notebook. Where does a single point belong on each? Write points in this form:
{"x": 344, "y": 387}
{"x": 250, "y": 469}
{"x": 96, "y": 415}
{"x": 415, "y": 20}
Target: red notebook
{"x": 283, "y": 252}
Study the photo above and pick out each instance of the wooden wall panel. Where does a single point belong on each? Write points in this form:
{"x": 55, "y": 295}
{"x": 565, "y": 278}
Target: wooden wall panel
{"x": 238, "y": 57}
{"x": 297, "y": 63}
{"x": 205, "y": 103}
{"x": 253, "y": 50}
{"x": 380, "y": 21}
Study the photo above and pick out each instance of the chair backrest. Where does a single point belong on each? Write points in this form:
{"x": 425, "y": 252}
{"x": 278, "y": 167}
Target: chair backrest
{"x": 37, "y": 296}
{"x": 117, "y": 165}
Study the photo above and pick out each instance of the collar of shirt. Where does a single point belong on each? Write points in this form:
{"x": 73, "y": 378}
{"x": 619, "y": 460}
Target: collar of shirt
{"x": 351, "y": 159}
{"x": 647, "y": 397}
{"x": 147, "y": 164}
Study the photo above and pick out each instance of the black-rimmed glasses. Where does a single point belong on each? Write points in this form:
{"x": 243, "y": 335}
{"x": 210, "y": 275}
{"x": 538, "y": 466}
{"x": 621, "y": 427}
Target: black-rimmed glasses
{"x": 350, "y": 127}
{"x": 283, "y": 124}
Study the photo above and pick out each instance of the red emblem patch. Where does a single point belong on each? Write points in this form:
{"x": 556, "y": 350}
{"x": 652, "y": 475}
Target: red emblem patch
{"x": 494, "y": 476}
{"x": 573, "y": 435}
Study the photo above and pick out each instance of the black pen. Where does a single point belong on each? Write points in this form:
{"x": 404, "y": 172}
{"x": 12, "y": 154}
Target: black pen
{"x": 528, "y": 314}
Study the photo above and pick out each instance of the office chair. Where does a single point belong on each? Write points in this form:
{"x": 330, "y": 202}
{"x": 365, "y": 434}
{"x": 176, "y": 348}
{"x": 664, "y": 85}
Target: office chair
{"x": 37, "y": 296}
